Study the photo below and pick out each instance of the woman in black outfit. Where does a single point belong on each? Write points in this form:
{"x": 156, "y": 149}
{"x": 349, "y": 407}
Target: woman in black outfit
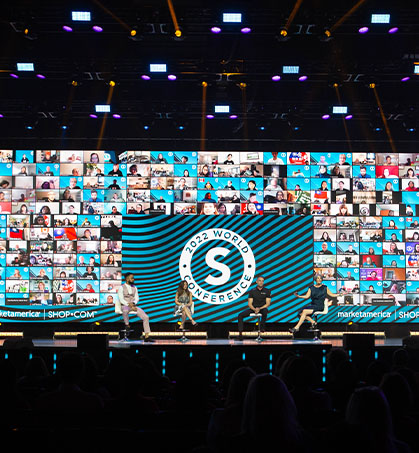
{"x": 318, "y": 294}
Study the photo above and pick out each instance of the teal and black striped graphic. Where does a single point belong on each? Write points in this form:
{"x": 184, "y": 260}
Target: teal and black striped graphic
{"x": 282, "y": 247}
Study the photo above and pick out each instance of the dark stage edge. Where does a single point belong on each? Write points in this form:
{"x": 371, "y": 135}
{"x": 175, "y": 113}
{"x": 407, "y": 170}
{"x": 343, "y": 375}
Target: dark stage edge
{"x": 120, "y": 344}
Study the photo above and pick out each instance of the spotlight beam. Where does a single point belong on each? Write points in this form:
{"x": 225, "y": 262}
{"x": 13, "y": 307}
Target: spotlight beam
{"x": 174, "y": 19}
{"x": 384, "y": 119}
{"x": 346, "y": 15}
{"x": 110, "y": 13}
{"x": 105, "y": 117}
{"x": 293, "y": 13}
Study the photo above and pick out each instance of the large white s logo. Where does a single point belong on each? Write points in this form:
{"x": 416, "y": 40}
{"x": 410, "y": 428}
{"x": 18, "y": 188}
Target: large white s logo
{"x": 225, "y": 270}
{"x": 238, "y": 288}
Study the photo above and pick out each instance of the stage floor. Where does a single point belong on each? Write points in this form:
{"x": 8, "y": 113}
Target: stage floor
{"x": 72, "y": 343}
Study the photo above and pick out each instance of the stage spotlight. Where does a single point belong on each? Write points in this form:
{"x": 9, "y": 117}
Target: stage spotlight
{"x": 295, "y": 122}
{"x": 276, "y": 78}
{"x": 326, "y": 35}
{"x": 372, "y": 85}
{"x": 232, "y": 18}
{"x": 97, "y": 28}
{"x": 380, "y": 18}
{"x": 363, "y": 30}
{"x": 393, "y": 30}
{"x": 29, "y": 33}
{"x": 222, "y": 109}
{"x": 290, "y": 69}
{"x": 405, "y": 79}
{"x": 302, "y": 78}
{"x": 74, "y": 83}
{"x": 246, "y": 30}
{"x": 67, "y": 28}
{"x": 233, "y": 117}
{"x": 326, "y": 116}
{"x": 116, "y": 116}
{"x": 409, "y": 124}
{"x": 215, "y": 30}
{"x": 204, "y": 83}
{"x": 145, "y": 77}
{"x": 40, "y": 76}
{"x": 171, "y": 77}
{"x": 30, "y": 121}
{"x": 136, "y": 34}
{"x": 159, "y": 67}
{"x": 14, "y": 76}
{"x": 282, "y": 35}
{"x": 340, "y": 109}
{"x": 102, "y": 108}
{"x": 210, "y": 117}
{"x": 112, "y": 83}
{"x": 25, "y": 67}
{"x": 179, "y": 34}
{"x": 376, "y": 125}
{"x": 348, "y": 117}
{"x": 81, "y": 16}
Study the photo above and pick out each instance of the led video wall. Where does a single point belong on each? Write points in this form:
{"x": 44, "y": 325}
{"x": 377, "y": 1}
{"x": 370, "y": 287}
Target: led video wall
{"x": 61, "y": 216}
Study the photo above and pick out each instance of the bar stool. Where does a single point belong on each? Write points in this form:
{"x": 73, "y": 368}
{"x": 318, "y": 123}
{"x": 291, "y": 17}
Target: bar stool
{"x": 258, "y": 317}
{"x": 178, "y": 312}
{"x": 127, "y": 330}
{"x": 315, "y": 314}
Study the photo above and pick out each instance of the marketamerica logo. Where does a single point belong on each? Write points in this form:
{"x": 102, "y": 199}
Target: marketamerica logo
{"x": 204, "y": 237}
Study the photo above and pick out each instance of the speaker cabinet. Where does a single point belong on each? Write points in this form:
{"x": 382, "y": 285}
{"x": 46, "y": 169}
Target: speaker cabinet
{"x": 92, "y": 342}
{"x": 358, "y": 340}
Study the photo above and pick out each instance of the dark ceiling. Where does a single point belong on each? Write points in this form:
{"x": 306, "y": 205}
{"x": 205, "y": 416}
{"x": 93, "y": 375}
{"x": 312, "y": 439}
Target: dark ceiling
{"x": 290, "y": 111}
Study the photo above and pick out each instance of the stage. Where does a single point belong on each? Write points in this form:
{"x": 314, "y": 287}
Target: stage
{"x": 266, "y": 343}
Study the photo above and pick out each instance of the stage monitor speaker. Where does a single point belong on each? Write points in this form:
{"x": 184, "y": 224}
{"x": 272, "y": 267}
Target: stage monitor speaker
{"x": 18, "y": 343}
{"x": 92, "y": 342}
{"x": 411, "y": 342}
{"x": 358, "y": 340}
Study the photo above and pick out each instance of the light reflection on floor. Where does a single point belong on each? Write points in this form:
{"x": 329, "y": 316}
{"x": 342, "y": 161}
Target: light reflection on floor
{"x": 72, "y": 343}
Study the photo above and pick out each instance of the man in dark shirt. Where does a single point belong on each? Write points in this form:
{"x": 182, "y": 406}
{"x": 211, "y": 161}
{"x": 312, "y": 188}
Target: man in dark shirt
{"x": 114, "y": 185}
{"x": 115, "y": 171}
{"x": 259, "y": 300}
{"x": 325, "y": 250}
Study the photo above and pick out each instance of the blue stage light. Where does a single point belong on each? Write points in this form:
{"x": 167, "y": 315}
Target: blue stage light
{"x": 102, "y": 108}
{"x": 340, "y": 109}
{"x": 222, "y": 109}
{"x": 158, "y": 67}
{"x": 234, "y": 18}
{"x": 290, "y": 69}
{"x": 25, "y": 67}
{"x": 380, "y": 18}
{"x": 81, "y": 16}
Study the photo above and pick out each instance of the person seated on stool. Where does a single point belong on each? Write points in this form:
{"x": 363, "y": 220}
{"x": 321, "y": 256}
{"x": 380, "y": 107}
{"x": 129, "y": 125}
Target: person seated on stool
{"x": 318, "y": 294}
{"x": 183, "y": 300}
{"x": 128, "y": 297}
{"x": 258, "y": 300}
